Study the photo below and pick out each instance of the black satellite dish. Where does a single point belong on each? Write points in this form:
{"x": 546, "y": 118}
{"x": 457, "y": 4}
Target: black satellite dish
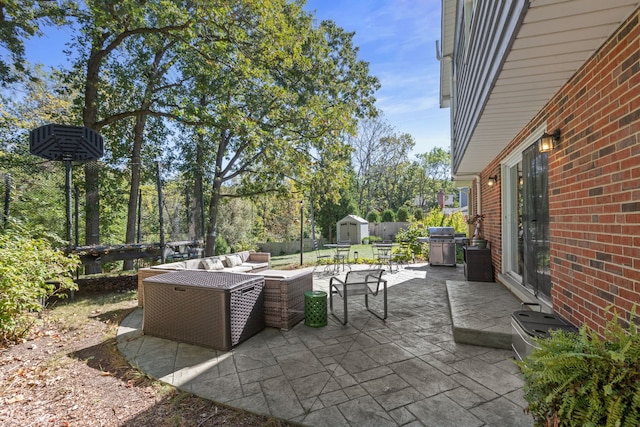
{"x": 69, "y": 143}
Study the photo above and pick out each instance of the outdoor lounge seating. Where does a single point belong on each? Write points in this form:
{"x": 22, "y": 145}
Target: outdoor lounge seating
{"x": 358, "y": 282}
{"x": 241, "y": 262}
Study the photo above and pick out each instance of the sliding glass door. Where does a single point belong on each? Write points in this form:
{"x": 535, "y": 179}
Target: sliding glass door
{"x": 535, "y": 222}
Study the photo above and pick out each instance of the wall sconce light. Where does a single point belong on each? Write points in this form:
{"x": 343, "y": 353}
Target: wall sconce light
{"x": 493, "y": 180}
{"x": 548, "y": 142}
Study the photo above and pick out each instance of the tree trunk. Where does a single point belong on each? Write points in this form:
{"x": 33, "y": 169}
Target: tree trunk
{"x": 136, "y": 167}
{"x": 197, "y": 227}
{"x": 210, "y": 246}
{"x": 91, "y": 169}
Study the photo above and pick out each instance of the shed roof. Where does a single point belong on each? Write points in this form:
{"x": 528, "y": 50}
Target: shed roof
{"x": 354, "y": 218}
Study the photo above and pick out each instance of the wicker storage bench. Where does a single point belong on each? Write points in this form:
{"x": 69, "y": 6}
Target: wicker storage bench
{"x": 212, "y": 309}
{"x": 284, "y": 296}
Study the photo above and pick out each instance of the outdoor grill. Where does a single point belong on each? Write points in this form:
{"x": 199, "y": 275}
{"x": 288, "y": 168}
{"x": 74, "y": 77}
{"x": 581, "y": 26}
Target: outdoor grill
{"x": 442, "y": 246}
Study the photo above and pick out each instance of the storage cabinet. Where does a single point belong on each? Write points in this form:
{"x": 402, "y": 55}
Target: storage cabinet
{"x": 211, "y": 309}
{"x": 477, "y": 264}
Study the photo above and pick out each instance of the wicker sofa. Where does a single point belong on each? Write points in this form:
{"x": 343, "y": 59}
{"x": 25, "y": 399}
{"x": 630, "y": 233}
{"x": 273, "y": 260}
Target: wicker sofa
{"x": 283, "y": 289}
{"x": 241, "y": 262}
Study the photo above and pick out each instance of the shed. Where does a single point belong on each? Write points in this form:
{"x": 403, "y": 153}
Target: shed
{"x": 352, "y": 229}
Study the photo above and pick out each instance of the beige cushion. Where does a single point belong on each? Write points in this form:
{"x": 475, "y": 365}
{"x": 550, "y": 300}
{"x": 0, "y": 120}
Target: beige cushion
{"x": 212, "y": 264}
{"x": 233, "y": 260}
{"x": 244, "y": 255}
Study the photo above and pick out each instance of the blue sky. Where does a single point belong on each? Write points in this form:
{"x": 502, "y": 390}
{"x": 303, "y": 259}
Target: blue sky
{"x": 396, "y": 37}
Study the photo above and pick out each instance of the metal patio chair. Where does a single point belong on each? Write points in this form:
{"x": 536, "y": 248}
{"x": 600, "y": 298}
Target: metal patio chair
{"x": 319, "y": 256}
{"x": 359, "y": 282}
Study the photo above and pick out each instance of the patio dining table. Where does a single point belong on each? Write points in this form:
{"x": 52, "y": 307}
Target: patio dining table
{"x": 383, "y": 253}
{"x": 340, "y": 256}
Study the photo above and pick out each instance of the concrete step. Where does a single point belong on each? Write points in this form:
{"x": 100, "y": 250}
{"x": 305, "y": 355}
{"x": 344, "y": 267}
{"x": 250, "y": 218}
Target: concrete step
{"x": 481, "y": 313}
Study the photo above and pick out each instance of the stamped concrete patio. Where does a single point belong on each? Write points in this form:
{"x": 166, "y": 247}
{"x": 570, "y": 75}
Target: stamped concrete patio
{"x": 409, "y": 370}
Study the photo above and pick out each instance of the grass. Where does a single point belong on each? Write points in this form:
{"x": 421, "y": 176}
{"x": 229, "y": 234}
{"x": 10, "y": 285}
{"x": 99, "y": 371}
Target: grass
{"x": 106, "y": 306}
{"x": 309, "y": 258}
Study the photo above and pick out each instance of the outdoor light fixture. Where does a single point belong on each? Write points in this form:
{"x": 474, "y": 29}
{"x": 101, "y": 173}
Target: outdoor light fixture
{"x": 548, "y": 142}
{"x": 493, "y": 180}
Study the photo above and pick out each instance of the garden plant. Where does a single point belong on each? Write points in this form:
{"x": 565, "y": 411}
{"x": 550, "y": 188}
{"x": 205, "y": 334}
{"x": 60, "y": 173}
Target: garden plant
{"x": 584, "y": 379}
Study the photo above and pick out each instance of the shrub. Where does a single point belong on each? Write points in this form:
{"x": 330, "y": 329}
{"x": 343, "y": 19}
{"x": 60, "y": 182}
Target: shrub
{"x": 409, "y": 237}
{"x": 221, "y": 245}
{"x": 31, "y": 270}
{"x": 585, "y": 380}
{"x": 373, "y": 217}
{"x": 388, "y": 216}
{"x": 403, "y": 214}
{"x": 418, "y": 214}
{"x": 375, "y": 239}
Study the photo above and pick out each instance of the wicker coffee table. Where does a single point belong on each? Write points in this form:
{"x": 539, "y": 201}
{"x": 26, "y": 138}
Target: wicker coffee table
{"x": 212, "y": 309}
{"x": 284, "y": 296}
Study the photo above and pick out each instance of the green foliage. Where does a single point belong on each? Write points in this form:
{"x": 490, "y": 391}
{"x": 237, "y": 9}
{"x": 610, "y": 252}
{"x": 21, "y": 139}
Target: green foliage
{"x": 437, "y": 218}
{"x": 29, "y": 264}
{"x": 373, "y": 216}
{"x": 221, "y": 245}
{"x": 418, "y": 214}
{"x": 584, "y": 379}
{"x": 374, "y": 239}
{"x": 388, "y": 216}
{"x": 403, "y": 214}
{"x": 420, "y": 228}
{"x": 409, "y": 237}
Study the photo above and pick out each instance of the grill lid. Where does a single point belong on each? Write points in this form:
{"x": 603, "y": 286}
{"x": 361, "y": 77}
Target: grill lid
{"x": 441, "y": 232}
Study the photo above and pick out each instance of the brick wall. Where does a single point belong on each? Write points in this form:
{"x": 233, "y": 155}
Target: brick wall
{"x": 594, "y": 184}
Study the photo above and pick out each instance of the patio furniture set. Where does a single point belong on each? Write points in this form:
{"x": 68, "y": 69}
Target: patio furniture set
{"x": 198, "y": 302}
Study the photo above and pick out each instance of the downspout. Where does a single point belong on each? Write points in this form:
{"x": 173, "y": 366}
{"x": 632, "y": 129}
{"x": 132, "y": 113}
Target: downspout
{"x": 478, "y": 196}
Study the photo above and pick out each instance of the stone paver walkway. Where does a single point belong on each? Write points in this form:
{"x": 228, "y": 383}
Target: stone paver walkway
{"x": 405, "y": 371}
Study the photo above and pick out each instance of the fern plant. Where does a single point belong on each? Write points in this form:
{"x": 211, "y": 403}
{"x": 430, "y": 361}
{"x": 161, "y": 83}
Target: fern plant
{"x": 584, "y": 379}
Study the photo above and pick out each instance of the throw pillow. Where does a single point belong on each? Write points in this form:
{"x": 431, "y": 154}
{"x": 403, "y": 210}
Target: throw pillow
{"x": 212, "y": 264}
{"x": 233, "y": 260}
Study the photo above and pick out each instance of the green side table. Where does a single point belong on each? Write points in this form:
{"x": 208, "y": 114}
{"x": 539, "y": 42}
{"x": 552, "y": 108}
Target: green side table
{"x": 315, "y": 309}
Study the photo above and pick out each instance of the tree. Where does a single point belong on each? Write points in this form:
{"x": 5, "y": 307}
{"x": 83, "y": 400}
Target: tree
{"x": 393, "y": 184}
{"x": 381, "y": 161}
{"x": 434, "y": 173}
{"x": 37, "y": 198}
{"x": 20, "y": 20}
{"x": 331, "y": 213}
{"x": 367, "y": 155}
{"x": 104, "y": 29}
{"x": 278, "y": 102}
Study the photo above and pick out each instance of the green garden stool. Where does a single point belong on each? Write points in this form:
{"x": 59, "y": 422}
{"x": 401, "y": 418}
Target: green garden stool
{"x": 315, "y": 309}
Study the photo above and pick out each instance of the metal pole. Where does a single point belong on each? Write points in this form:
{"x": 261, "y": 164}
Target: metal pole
{"x": 160, "y": 215}
{"x": 139, "y": 236}
{"x": 301, "y": 229}
{"x": 67, "y": 188}
{"x": 76, "y": 194}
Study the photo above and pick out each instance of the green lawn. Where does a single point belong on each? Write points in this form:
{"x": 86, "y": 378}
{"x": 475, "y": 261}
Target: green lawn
{"x": 284, "y": 262}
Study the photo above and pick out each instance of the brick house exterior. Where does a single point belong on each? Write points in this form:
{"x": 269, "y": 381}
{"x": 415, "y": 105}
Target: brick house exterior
{"x": 592, "y": 176}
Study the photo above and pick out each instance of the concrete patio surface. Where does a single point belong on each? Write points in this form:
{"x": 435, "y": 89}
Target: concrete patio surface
{"x": 409, "y": 370}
